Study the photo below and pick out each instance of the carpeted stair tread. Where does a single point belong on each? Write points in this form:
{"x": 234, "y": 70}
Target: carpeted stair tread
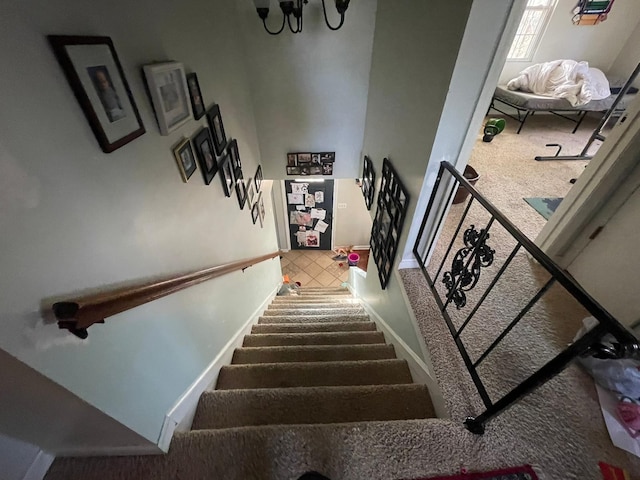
{"x": 313, "y": 327}
{"x": 355, "y": 310}
{"x": 312, "y": 405}
{"x": 313, "y": 353}
{"x": 285, "y": 375}
{"x": 361, "y": 317}
{"x": 312, "y": 338}
{"x": 328, "y": 306}
{"x": 314, "y": 298}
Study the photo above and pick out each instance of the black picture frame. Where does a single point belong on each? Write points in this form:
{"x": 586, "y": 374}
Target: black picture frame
{"x": 195, "y": 94}
{"x": 185, "y": 158}
{"x": 305, "y": 170}
{"x": 227, "y": 176}
{"x": 292, "y": 159}
{"x": 257, "y": 178}
{"x": 206, "y": 155}
{"x": 392, "y": 205}
{"x": 315, "y": 170}
{"x": 293, "y": 171}
{"x": 368, "y": 182}
{"x": 327, "y": 157}
{"x": 233, "y": 152}
{"x": 254, "y": 213}
{"x": 304, "y": 158}
{"x": 241, "y": 191}
{"x": 214, "y": 117}
{"x": 327, "y": 168}
{"x": 87, "y": 64}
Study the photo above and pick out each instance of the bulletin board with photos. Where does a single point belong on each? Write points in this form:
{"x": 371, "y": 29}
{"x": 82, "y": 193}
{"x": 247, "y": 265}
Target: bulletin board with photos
{"x": 310, "y": 214}
{"x": 307, "y": 163}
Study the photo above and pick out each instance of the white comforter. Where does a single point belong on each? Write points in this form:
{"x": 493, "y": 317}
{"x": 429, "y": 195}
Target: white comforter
{"x": 568, "y": 79}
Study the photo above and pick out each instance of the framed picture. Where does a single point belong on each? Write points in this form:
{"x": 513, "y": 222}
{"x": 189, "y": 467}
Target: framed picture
{"x": 261, "y": 211}
{"x": 327, "y": 157}
{"x": 241, "y": 191}
{"x": 368, "y": 182}
{"x": 315, "y": 170}
{"x": 327, "y": 169}
{"x": 185, "y": 159}
{"x": 258, "y": 178}
{"x": 95, "y": 75}
{"x": 206, "y": 156}
{"x": 304, "y": 158}
{"x": 197, "y": 102}
{"x": 217, "y": 128}
{"x": 169, "y": 94}
{"x": 232, "y": 149}
{"x": 251, "y": 191}
{"x": 292, "y": 159}
{"x": 315, "y": 158}
{"x": 293, "y": 171}
{"x": 254, "y": 213}
{"x": 226, "y": 174}
{"x": 305, "y": 171}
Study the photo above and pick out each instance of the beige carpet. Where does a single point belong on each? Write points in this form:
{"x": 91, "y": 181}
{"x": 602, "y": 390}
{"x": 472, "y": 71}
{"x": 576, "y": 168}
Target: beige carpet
{"x": 509, "y": 172}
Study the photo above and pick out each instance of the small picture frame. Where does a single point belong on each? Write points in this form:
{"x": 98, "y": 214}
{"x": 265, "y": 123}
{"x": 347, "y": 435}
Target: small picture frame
{"x": 206, "y": 155}
{"x": 293, "y": 171}
{"x": 305, "y": 170}
{"x": 315, "y": 158}
{"x": 261, "y": 210}
{"x": 251, "y": 191}
{"x": 368, "y": 182}
{"x": 197, "y": 102}
{"x": 226, "y": 174}
{"x": 327, "y": 169}
{"x": 232, "y": 149}
{"x": 292, "y": 159}
{"x": 304, "y": 158}
{"x": 327, "y": 157}
{"x": 169, "y": 94}
{"x": 217, "y": 128}
{"x": 97, "y": 79}
{"x": 255, "y": 213}
{"x": 315, "y": 170}
{"x": 258, "y": 178}
{"x": 241, "y": 191}
{"x": 185, "y": 159}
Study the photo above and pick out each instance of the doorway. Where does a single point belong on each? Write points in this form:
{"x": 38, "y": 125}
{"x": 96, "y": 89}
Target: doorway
{"x": 309, "y": 213}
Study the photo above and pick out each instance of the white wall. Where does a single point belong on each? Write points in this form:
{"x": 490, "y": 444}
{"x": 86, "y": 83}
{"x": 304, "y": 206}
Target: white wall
{"x": 73, "y": 218}
{"x": 16, "y": 457}
{"x": 628, "y": 58}
{"x": 352, "y": 224}
{"x": 310, "y": 89}
{"x": 599, "y": 44}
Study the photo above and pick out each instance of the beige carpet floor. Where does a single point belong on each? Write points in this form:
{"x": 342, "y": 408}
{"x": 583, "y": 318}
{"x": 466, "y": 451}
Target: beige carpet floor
{"x": 509, "y": 172}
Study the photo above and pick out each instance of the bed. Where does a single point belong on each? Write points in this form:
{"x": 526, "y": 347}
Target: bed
{"x": 526, "y": 104}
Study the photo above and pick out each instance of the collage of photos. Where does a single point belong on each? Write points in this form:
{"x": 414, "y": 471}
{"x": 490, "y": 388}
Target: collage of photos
{"x": 309, "y": 216}
{"x": 304, "y": 163}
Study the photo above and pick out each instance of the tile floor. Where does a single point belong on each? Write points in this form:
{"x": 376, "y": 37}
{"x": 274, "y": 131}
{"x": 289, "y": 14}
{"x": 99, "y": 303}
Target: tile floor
{"x": 314, "y": 268}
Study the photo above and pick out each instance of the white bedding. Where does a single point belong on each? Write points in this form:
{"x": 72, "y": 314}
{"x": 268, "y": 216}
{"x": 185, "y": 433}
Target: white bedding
{"x": 568, "y": 79}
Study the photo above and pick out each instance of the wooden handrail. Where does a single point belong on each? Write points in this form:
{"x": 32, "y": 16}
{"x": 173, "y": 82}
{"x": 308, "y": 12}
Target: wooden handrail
{"x": 78, "y": 314}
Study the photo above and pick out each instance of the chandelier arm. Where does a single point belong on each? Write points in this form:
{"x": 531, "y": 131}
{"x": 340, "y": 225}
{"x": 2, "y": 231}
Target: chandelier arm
{"x": 264, "y": 22}
{"x": 326, "y": 20}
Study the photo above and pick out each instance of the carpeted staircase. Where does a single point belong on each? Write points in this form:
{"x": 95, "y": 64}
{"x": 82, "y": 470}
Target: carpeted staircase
{"x": 315, "y": 359}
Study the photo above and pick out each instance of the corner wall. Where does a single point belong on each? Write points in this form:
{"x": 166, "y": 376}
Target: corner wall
{"x": 73, "y": 218}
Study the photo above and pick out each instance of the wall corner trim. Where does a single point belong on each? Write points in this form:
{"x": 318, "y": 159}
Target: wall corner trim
{"x": 408, "y": 263}
{"x": 180, "y": 416}
{"x": 40, "y": 466}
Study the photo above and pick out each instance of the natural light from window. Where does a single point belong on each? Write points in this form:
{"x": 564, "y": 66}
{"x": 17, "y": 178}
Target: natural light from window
{"x": 531, "y": 28}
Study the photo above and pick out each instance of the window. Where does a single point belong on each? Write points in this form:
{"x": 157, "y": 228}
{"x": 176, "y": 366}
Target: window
{"x": 535, "y": 19}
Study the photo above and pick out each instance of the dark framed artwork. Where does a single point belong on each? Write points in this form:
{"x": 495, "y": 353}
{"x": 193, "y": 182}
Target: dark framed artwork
{"x": 293, "y": 171}
{"x": 251, "y": 191}
{"x": 392, "y": 205}
{"x": 305, "y": 170}
{"x": 185, "y": 159}
{"x": 315, "y": 158}
{"x": 315, "y": 170}
{"x": 95, "y": 75}
{"x": 217, "y": 128}
{"x": 261, "y": 211}
{"x": 226, "y": 174}
{"x": 241, "y": 191}
{"x": 327, "y": 157}
{"x": 197, "y": 102}
{"x": 255, "y": 213}
{"x": 258, "y": 178}
{"x": 327, "y": 168}
{"x": 169, "y": 94}
{"x": 232, "y": 150}
{"x": 368, "y": 182}
{"x": 292, "y": 159}
{"x": 206, "y": 155}
{"x": 304, "y": 158}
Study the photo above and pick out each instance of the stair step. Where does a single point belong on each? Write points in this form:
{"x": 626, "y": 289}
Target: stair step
{"x": 309, "y": 291}
{"x": 313, "y": 353}
{"x": 328, "y": 306}
{"x": 322, "y": 338}
{"x": 286, "y": 375}
{"x": 316, "y": 311}
{"x": 313, "y": 405}
{"x": 313, "y": 327}
{"x": 314, "y": 299}
{"x": 313, "y": 318}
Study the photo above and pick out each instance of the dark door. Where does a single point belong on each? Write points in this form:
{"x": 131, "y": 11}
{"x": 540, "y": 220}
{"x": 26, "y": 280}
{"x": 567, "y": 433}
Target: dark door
{"x": 310, "y": 214}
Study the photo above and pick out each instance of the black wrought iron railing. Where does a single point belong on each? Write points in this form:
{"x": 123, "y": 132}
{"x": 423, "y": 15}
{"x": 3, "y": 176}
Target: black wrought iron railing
{"x": 459, "y": 271}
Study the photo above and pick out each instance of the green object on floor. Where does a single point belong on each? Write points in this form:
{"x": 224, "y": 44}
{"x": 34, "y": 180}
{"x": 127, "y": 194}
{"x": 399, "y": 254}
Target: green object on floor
{"x": 492, "y": 128}
{"x": 545, "y": 206}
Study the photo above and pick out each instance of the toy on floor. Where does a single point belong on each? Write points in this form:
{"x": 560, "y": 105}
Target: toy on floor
{"x": 492, "y": 128}
{"x": 342, "y": 252}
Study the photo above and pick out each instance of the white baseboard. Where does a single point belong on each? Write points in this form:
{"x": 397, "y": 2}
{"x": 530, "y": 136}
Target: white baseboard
{"x": 362, "y": 247}
{"x": 180, "y": 417}
{"x": 420, "y": 372}
{"x": 40, "y": 466}
{"x": 408, "y": 263}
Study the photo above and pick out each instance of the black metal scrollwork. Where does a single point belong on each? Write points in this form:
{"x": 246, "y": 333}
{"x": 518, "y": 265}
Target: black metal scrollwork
{"x": 464, "y": 275}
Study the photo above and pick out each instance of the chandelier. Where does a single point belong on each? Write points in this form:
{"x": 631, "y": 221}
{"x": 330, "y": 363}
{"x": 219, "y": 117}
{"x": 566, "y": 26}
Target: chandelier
{"x": 294, "y": 8}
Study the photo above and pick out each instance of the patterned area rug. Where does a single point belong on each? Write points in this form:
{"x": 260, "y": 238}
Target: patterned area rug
{"x": 524, "y": 472}
{"x": 544, "y": 206}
